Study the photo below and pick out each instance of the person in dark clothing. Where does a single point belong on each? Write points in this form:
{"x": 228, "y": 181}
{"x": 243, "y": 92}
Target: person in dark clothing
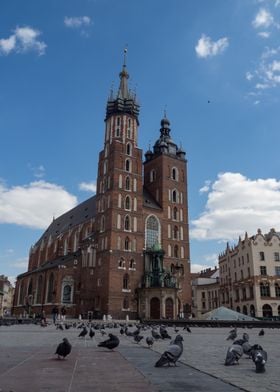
{"x": 54, "y": 314}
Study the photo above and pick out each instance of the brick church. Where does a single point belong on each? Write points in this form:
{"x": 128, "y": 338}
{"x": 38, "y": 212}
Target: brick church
{"x": 124, "y": 251}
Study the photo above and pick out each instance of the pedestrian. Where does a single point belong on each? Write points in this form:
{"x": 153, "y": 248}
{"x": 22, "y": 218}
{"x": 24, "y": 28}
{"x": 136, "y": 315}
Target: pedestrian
{"x": 63, "y": 313}
{"x": 54, "y": 314}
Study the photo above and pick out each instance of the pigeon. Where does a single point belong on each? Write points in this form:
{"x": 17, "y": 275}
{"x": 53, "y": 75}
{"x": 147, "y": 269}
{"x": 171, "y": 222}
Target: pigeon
{"x": 155, "y": 334}
{"x": 149, "y": 341}
{"x": 163, "y": 333}
{"x": 122, "y": 331}
{"x": 247, "y": 348}
{"x": 110, "y": 343}
{"x": 127, "y": 332}
{"x": 60, "y": 326}
{"x": 91, "y": 333}
{"x": 234, "y": 353}
{"x": 63, "y": 349}
{"x": 188, "y": 329}
{"x": 260, "y": 358}
{"x": 83, "y": 332}
{"x": 102, "y": 332}
{"x": 232, "y": 334}
{"x": 253, "y": 349}
{"x": 138, "y": 338}
{"x": 261, "y": 333}
{"x": 245, "y": 337}
{"x": 173, "y": 352}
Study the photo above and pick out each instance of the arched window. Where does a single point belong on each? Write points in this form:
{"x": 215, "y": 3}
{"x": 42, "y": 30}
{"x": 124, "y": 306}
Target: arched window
{"x": 125, "y": 282}
{"x": 132, "y": 264}
{"x": 125, "y": 303}
{"x": 127, "y": 183}
{"x": 174, "y": 196}
{"x": 175, "y": 213}
{"x": 121, "y": 263}
{"x": 128, "y": 149}
{"x": 174, "y": 173}
{"x": 127, "y": 225}
{"x": 267, "y": 310}
{"x": 152, "y": 175}
{"x": 102, "y": 223}
{"x": 152, "y": 231}
{"x": 175, "y": 232}
{"x": 126, "y": 244}
{"x": 176, "y": 251}
{"x": 66, "y": 296}
{"x": 50, "y": 288}
{"x": 39, "y": 289}
{"x": 127, "y": 203}
{"x": 127, "y": 165}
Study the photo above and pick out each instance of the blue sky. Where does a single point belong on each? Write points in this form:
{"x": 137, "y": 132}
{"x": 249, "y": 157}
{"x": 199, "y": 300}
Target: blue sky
{"x": 215, "y": 67}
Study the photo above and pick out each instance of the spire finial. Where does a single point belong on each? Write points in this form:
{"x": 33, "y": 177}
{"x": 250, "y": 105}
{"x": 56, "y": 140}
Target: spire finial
{"x": 124, "y": 56}
{"x": 164, "y": 111}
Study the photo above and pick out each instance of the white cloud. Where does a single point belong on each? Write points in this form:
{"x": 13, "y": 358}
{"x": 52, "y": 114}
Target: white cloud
{"x": 199, "y": 267}
{"x": 249, "y": 75}
{"x": 24, "y": 39}
{"x": 263, "y": 19}
{"x": 77, "y": 21}
{"x": 88, "y": 186}
{"x": 34, "y": 205}
{"x": 264, "y": 34}
{"x": 205, "y": 187}
{"x": 237, "y": 204}
{"x": 21, "y": 263}
{"x": 206, "y": 47}
{"x": 38, "y": 171}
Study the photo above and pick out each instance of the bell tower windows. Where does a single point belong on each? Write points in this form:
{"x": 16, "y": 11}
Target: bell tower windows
{"x": 127, "y": 165}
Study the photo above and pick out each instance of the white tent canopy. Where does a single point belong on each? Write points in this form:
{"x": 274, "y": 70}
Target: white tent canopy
{"x": 223, "y": 313}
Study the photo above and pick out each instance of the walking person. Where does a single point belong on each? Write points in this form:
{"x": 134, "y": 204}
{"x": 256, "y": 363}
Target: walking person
{"x": 54, "y": 314}
{"x": 63, "y": 313}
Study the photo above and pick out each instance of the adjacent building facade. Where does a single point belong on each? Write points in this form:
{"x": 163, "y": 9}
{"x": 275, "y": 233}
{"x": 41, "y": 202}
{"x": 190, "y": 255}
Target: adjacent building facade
{"x": 125, "y": 251}
{"x": 6, "y": 296}
{"x": 250, "y": 275}
{"x": 205, "y": 291}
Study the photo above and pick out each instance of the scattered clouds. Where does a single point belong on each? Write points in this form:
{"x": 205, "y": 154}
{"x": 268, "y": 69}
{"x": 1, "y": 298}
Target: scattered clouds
{"x": 34, "y": 205}
{"x": 81, "y": 23}
{"x": 77, "y": 21}
{"x": 267, "y": 73}
{"x": 199, "y": 267}
{"x": 38, "y": 171}
{"x": 263, "y": 19}
{"x": 237, "y": 204}
{"x": 88, "y": 186}
{"x": 207, "y": 48}
{"x": 264, "y": 34}
{"x": 23, "y": 39}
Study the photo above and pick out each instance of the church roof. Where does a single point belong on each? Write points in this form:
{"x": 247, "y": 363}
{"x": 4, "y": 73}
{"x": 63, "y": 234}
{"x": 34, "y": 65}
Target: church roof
{"x": 149, "y": 201}
{"x": 83, "y": 212}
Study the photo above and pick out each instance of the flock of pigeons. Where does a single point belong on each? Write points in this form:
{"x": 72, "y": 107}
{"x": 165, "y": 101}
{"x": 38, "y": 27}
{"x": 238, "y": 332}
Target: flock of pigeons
{"x": 170, "y": 355}
{"x": 175, "y": 348}
{"x": 242, "y": 346}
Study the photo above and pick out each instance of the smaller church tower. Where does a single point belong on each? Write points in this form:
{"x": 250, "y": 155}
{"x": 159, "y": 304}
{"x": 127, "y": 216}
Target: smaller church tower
{"x": 165, "y": 178}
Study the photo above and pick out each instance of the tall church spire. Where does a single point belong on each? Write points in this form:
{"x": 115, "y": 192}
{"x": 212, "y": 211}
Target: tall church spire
{"x": 124, "y": 102}
{"x": 123, "y": 89}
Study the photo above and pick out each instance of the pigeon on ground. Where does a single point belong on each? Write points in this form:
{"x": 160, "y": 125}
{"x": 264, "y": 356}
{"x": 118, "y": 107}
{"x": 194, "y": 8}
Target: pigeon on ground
{"x": 173, "y": 352}
{"x": 91, "y": 333}
{"x": 245, "y": 337}
{"x": 155, "y": 334}
{"x": 232, "y": 334}
{"x": 233, "y": 354}
{"x": 163, "y": 333}
{"x": 127, "y": 332}
{"x": 60, "y": 326}
{"x": 103, "y": 332}
{"x": 187, "y": 328}
{"x": 149, "y": 341}
{"x": 63, "y": 349}
{"x": 121, "y": 331}
{"x": 110, "y": 343}
{"x": 261, "y": 333}
{"x": 260, "y": 358}
{"x": 254, "y": 348}
{"x": 138, "y": 338}
{"x": 83, "y": 332}
{"x": 247, "y": 348}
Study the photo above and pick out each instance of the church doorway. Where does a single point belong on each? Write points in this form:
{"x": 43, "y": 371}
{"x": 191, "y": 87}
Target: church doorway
{"x": 169, "y": 308}
{"x": 155, "y": 308}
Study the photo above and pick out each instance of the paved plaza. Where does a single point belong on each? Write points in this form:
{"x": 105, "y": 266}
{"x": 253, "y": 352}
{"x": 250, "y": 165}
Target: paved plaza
{"x": 27, "y": 362}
